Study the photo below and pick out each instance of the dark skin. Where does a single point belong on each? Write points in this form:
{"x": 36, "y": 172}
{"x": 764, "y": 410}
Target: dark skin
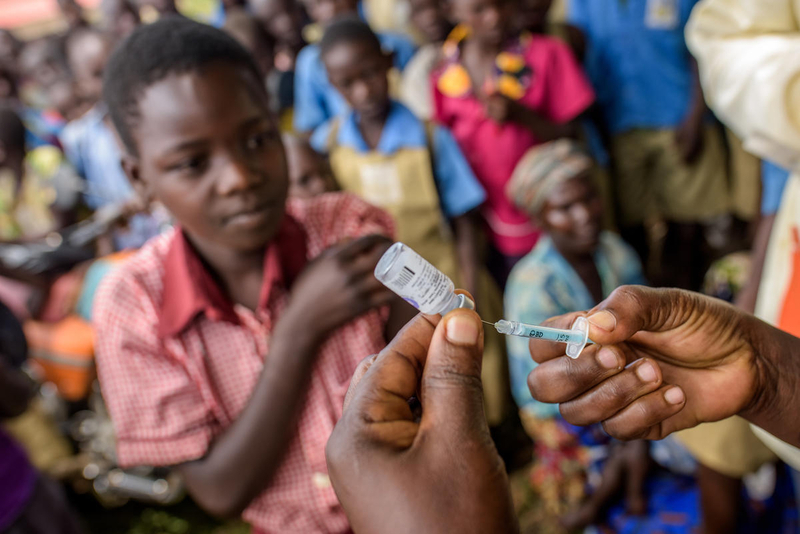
{"x": 87, "y": 53}
{"x": 324, "y": 11}
{"x": 572, "y": 217}
{"x": 208, "y": 149}
{"x": 309, "y": 173}
{"x": 491, "y": 22}
{"x": 429, "y": 17}
{"x": 360, "y": 72}
{"x": 283, "y": 20}
{"x": 434, "y": 473}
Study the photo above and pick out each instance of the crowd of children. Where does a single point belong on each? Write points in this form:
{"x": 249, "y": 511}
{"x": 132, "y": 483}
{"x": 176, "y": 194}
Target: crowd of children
{"x": 262, "y": 160}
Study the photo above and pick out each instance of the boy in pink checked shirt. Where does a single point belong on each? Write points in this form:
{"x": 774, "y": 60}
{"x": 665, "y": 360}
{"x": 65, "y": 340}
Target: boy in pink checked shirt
{"x": 226, "y": 346}
{"x": 500, "y": 93}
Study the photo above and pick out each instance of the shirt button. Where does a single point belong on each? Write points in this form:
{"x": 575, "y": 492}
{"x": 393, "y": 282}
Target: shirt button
{"x": 321, "y": 480}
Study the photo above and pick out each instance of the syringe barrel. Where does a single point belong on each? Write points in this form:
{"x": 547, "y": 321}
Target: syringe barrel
{"x": 418, "y": 282}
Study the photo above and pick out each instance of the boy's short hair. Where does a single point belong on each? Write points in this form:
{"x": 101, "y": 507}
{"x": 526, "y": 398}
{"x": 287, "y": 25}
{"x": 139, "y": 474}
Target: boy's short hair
{"x": 348, "y": 29}
{"x": 12, "y": 130}
{"x": 246, "y": 29}
{"x": 173, "y": 45}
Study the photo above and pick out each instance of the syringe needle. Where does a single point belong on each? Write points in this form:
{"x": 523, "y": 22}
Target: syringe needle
{"x": 487, "y": 322}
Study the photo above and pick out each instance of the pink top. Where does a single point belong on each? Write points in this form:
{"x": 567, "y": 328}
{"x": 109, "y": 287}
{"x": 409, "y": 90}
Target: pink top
{"x": 178, "y": 361}
{"x": 558, "y": 89}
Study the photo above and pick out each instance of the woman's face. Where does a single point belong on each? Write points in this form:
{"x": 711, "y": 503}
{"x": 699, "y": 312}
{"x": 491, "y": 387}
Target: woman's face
{"x": 572, "y": 216}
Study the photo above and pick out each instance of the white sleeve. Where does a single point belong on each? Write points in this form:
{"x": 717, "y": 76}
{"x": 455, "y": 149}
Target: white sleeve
{"x": 748, "y": 52}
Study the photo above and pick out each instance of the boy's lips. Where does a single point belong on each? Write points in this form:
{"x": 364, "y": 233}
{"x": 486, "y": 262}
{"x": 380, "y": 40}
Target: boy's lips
{"x": 250, "y": 217}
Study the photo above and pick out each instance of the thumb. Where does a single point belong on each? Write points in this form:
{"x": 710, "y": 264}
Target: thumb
{"x": 631, "y": 309}
{"x": 451, "y": 391}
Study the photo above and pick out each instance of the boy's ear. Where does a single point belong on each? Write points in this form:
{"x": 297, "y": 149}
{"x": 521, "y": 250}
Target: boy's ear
{"x": 130, "y": 165}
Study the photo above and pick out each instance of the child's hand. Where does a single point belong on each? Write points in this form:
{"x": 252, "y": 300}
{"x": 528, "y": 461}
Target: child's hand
{"x": 689, "y": 138}
{"x": 338, "y": 286}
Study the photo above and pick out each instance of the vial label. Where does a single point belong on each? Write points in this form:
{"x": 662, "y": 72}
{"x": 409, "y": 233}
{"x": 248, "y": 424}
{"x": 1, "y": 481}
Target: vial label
{"x": 419, "y": 283}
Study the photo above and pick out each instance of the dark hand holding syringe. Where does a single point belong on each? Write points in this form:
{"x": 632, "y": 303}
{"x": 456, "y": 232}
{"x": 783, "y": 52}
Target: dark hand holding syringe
{"x": 430, "y": 291}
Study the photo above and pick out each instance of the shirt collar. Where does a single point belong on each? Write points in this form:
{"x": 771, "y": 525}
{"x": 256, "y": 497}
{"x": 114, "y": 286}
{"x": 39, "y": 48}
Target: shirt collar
{"x": 402, "y": 130}
{"x": 190, "y": 289}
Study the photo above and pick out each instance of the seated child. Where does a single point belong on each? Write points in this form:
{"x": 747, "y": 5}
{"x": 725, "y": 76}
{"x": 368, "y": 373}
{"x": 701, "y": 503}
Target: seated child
{"x": 383, "y": 153}
{"x": 89, "y": 141}
{"x": 225, "y": 346}
{"x": 316, "y": 100}
{"x": 428, "y": 17}
{"x": 502, "y": 92}
{"x": 310, "y": 173}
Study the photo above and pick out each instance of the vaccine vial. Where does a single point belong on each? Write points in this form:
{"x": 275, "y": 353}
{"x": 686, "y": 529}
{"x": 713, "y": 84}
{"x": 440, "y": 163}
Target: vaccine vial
{"x": 418, "y": 282}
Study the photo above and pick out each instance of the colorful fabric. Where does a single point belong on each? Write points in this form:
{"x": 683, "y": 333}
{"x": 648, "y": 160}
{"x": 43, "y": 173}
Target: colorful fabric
{"x": 542, "y": 285}
{"x": 550, "y": 82}
{"x": 26, "y": 208}
{"x": 630, "y": 90}
{"x": 315, "y": 99}
{"x": 727, "y": 276}
{"x": 19, "y": 480}
{"x": 542, "y": 169}
{"x": 178, "y": 361}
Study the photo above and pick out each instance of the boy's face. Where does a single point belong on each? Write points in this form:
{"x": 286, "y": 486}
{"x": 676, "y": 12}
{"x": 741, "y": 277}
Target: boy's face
{"x": 488, "y": 19}
{"x": 572, "y": 216}
{"x": 88, "y": 60}
{"x": 360, "y": 72}
{"x": 209, "y": 150}
{"x": 282, "y": 19}
{"x": 309, "y": 173}
{"x": 324, "y": 11}
{"x": 429, "y": 18}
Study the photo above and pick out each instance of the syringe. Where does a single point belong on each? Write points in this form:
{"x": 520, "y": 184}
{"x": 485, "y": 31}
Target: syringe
{"x": 576, "y": 338}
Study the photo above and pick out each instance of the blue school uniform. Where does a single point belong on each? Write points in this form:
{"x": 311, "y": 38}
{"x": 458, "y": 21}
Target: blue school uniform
{"x": 417, "y": 173}
{"x": 315, "y": 99}
{"x": 637, "y": 60}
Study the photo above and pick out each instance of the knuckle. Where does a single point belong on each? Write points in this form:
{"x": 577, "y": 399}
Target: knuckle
{"x": 448, "y": 376}
{"x": 539, "y": 388}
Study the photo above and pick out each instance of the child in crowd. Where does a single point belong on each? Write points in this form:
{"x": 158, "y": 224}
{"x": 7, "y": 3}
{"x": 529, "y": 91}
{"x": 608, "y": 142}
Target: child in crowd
{"x": 316, "y": 100}
{"x": 669, "y": 159}
{"x": 310, "y": 174}
{"x": 89, "y": 142}
{"x": 30, "y": 503}
{"x": 502, "y": 92}
{"x": 428, "y": 17}
{"x": 284, "y": 20}
{"x": 225, "y": 347}
{"x": 412, "y": 169}
{"x": 380, "y": 151}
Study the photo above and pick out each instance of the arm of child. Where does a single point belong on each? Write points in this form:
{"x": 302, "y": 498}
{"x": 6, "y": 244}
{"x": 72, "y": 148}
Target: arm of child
{"x": 335, "y": 288}
{"x": 461, "y": 195}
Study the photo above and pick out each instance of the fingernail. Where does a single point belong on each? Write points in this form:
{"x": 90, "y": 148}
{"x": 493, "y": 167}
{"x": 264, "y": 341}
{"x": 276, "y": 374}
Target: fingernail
{"x": 647, "y": 372}
{"x": 608, "y": 359}
{"x": 604, "y": 320}
{"x": 674, "y": 395}
{"x": 462, "y": 329}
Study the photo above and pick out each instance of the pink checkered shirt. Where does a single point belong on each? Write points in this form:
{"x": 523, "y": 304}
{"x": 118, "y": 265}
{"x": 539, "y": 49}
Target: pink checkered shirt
{"x": 178, "y": 362}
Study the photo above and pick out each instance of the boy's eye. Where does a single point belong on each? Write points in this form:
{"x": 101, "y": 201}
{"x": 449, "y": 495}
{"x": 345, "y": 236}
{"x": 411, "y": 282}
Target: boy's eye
{"x": 192, "y": 164}
{"x": 258, "y": 140}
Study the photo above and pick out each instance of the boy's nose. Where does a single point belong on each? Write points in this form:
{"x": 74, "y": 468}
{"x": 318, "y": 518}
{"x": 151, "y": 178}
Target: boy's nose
{"x": 235, "y": 176}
